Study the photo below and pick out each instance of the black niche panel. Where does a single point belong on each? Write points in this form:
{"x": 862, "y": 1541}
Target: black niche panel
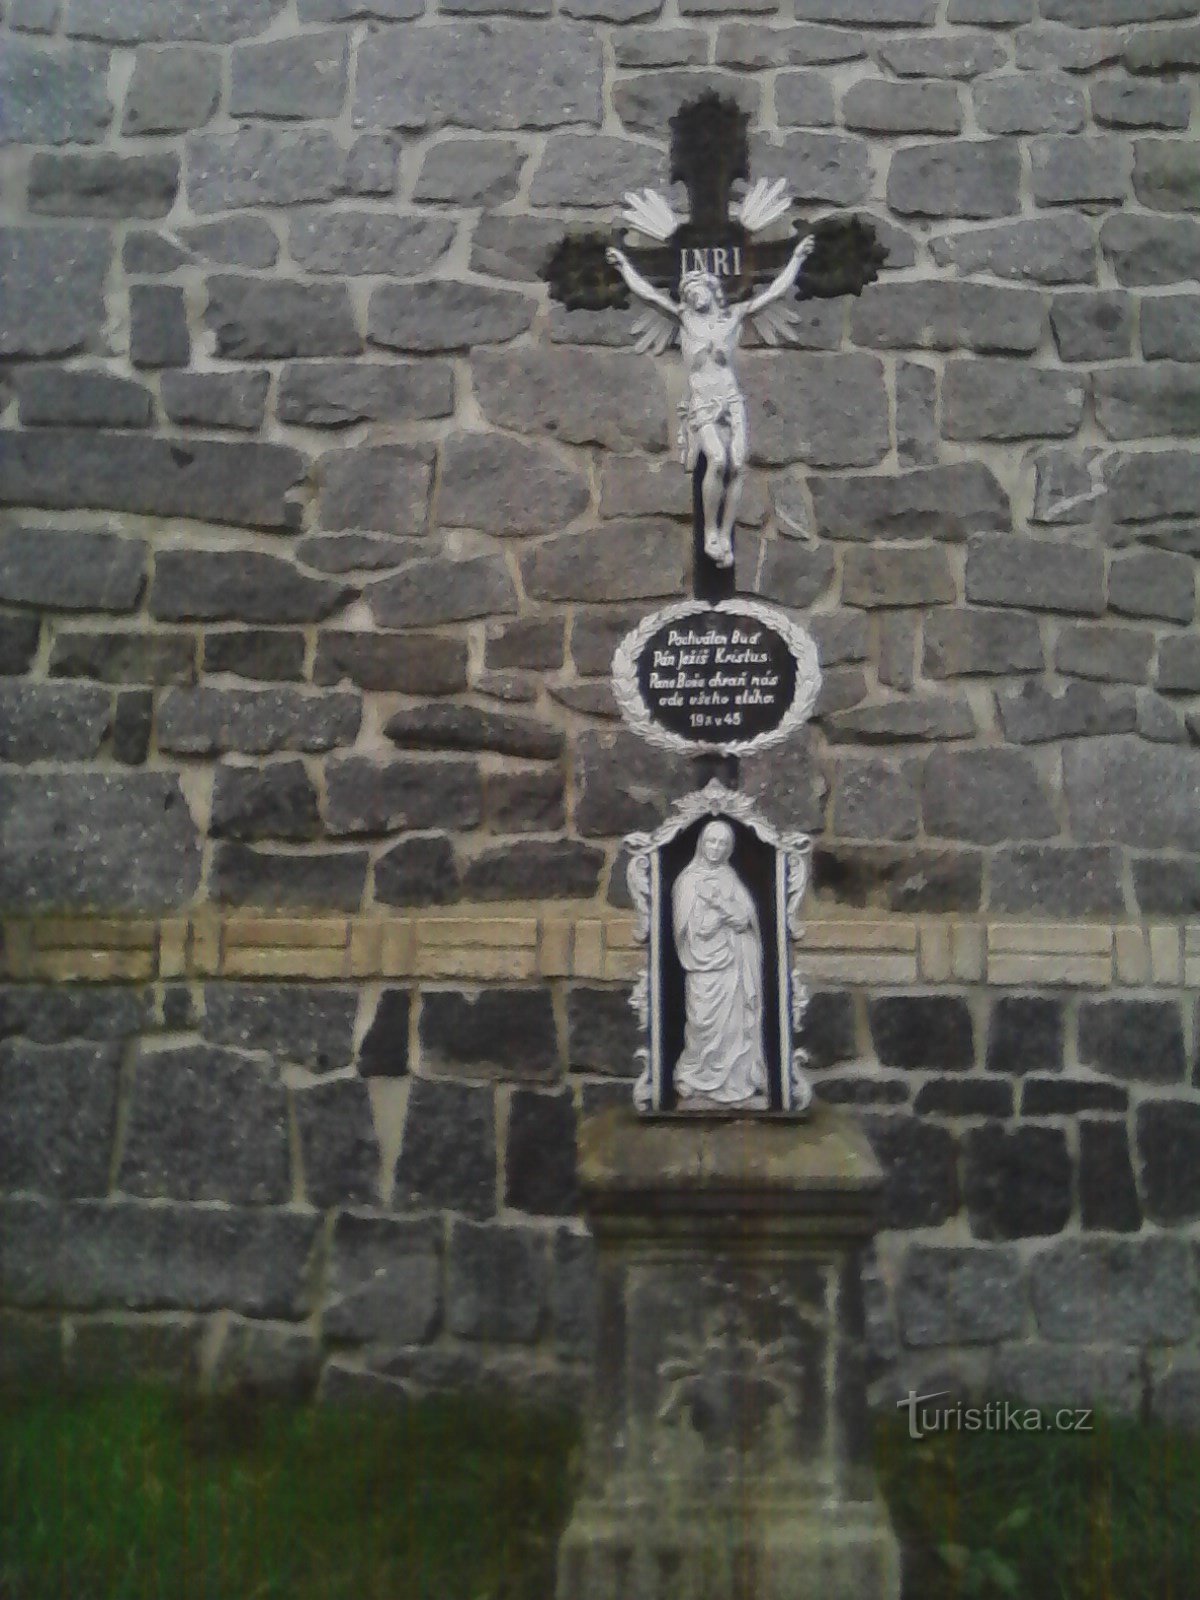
{"x": 717, "y": 676}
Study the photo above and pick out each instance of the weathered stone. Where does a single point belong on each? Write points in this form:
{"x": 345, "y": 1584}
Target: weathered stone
{"x": 1108, "y": 1197}
{"x": 171, "y": 90}
{"x": 1068, "y": 882}
{"x": 1125, "y": 791}
{"x": 216, "y": 399}
{"x": 877, "y": 105}
{"x": 660, "y": 46}
{"x": 1092, "y": 326}
{"x": 1025, "y": 1035}
{"x": 41, "y": 721}
{"x": 256, "y": 319}
{"x": 132, "y": 21}
{"x": 355, "y": 552}
{"x": 946, "y": 502}
{"x": 1078, "y": 171}
{"x": 384, "y": 1280}
{"x": 523, "y": 802}
{"x": 514, "y": 248}
{"x": 623, "y": 784}
{"x": 510, "y": 1031}
{"x": 628, "y": 561}
{"x": 948, "y": 316}
{"x": 1106, "y": 13}
{"x": 259, "y": 166}
{"x": 417, "y": 664}
{"x": 104, "y": 1352}
{"x": 804, "y": 100}
{"x": 471, "y": 172}
{"x": 241, "y": 585}
{"x": 875, "y": 799}
{"x": 1168, "y": 1141}
{"x": 1137, "y": 1040}
{"x": 1159, "y": 720}
{"x": 911, "y": 719}
{"x": 917, "y": 443}
{"x": 1030, "y": 102}
{"x": 103, "y": 185}
{"x": 53, "y": 96}
{"x": 963, "y": 642}
{"x": 497, "y": 1281}
{"x": 339, "y": 1154}
{"x": 1034, "y": 714}
{"x": 908, "y": 881}
{"x": 1101, "y": 651}
{"x": 533, "y": 869}
{"x": 867, "y": 13}
{"x": 1114, "y": 1290}
{"x": 539, "y": 1167}
{"x": 419, "y": 871}
{"x": 1145, "y": 487}
{"x": 919, "y": 1160}
{"x": 18, "y": 645}
{"x": 328, "y": 394}
{"x": 646, "y": 103}
{"x": 368, "y": 242}
{"x": 1139, "y": 403}
{"x": 278, "y": 801}
{"x": 440, "y": 590}
{"x": 231, "y": 481}
{"x": 1060, "y": 249}
{"x": 53, "y": 300}
{"x": 468, "y": 728}
{"x": 1153, "y": 50}
{"x": 997, "y": 399}
{"x": 1179, "y": 665}
{"x": 448, "y": 1158}
{"x": 384, "y": 487}
{"x": 73, "y": 397}
{"x": 592, "y": 169}
{"x": 58, "y": 1114}
{"x": 978, "y": 180}
{"x": 827, "y": 411}
{"x": 446, "y": 316}
{"x": 1166, "y": 174}
{"x": 353, "y": 10}
{"x": 503, "y": 486}
{"x": 205, "y": 1124}
{"x": 158, "y": 326}
{"x": 96, "y": 840}
{"x": 1148, "y": 250}
{"x": 1043, "y": 1376}
{"x": 964, "y": 1097}
{"x": 1017, "y": 1182}
{"x": 270, "y": 654}
{"x": 370, "y": 165}
{"x": 207, "y": 720}
{"x": 73, "y": 570}
{"x": 602, "y": 1032}
{"x": 959, "y": 1296}
{"x": 788, "y": 574}
{"x": 1125, "y": 103}
{"x": 909, "y": 576}
{"x": 244, "y": 875}
{"x": 385, "y": 1047}
{"x": 963, "y": 55}
{"x": 33, "y": 16}
{"x": 299, "y": 77}
{"x": 309, "y": 1024}
{"x": 1170, "y": 326}
{"x": 54, "y": 1013}
{"x": 132, "y": 723}
{"x": 533, "y": 642}
{"x": 1037, "y": 574}
{"x": 582, "y": 396}
{"x": 92, "y": 1254}
{"x": 367, "y": 797}
{"x": 921, "y": 1032}
{"x": 1058, "y": 1097}
{"x": 283, "y": 1363}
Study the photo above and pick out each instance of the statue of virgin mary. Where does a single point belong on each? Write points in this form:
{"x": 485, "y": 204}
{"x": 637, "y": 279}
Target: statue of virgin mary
{"x": 717, "y": 939}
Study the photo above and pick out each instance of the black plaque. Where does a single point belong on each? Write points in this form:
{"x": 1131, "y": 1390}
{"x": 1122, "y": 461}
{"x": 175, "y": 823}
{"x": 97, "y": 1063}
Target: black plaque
{"x": 712, "y": 677}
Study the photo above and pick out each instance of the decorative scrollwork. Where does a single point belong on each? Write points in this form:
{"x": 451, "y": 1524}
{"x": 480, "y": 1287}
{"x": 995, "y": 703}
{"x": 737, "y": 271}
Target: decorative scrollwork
{"x": 798, "y": 850}
{"x": 637, "y": 878}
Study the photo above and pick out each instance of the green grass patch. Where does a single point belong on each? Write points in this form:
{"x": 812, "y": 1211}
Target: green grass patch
{"x": 1109, "y": 1515}
{"x": 140, "y": 1495}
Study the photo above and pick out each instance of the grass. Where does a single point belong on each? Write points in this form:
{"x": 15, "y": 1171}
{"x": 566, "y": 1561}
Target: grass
{"x": 141, "y": 1495}
{"x": 147, "y": 1495}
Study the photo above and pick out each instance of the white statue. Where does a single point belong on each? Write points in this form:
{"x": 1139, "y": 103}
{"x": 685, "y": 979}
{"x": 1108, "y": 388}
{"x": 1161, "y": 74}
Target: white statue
{"x": 719, "y": 948}
{"x": 714, "y": 414}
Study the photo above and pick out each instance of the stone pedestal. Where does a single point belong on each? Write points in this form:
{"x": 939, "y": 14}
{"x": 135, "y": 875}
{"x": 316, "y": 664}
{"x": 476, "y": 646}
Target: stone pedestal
{"x": 728, "y": 1451}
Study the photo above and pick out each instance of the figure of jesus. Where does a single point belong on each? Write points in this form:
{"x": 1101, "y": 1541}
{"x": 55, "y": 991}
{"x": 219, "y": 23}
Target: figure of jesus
{"x": 714, "y": 414}
{"x": 718, "y": 944}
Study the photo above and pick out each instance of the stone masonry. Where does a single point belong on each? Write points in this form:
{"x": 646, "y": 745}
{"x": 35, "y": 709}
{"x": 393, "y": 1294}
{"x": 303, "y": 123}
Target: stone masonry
{"x": 318, "y": 524}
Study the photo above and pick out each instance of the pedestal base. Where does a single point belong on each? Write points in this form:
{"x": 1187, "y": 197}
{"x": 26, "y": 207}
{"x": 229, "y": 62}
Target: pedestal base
{"x": 727, "y": 1449}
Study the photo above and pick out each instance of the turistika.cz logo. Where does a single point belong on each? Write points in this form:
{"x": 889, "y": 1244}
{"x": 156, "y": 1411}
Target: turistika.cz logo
{"x": 997, "y": 1416}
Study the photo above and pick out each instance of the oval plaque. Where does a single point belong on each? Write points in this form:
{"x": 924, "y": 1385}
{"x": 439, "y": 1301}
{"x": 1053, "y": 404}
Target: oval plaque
{"x": 732, "y": 678}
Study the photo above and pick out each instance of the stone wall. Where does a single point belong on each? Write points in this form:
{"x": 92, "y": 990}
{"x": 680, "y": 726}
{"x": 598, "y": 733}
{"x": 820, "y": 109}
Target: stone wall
{"x": 319, "y": 523}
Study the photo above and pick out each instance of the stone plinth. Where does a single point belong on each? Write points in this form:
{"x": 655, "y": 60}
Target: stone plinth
{"x": 728, "y": 1451}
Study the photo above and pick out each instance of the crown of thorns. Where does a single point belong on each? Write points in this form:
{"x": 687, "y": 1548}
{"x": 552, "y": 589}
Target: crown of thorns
{"x": 697, "y": 277}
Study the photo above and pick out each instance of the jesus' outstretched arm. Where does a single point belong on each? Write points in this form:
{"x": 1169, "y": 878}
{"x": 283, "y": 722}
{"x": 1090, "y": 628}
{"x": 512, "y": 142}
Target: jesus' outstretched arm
{"x": 779, "y": 286}
{"x": 639, "y": 286}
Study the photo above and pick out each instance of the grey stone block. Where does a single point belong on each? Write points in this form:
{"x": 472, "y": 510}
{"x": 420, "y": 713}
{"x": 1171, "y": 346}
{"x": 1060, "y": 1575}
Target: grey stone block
{"x": 260, "y": 654}
{"x": 419, "y": 871}
{"x": 1151, "y": 50}
{"x": 580, "y": 396}
{"x": 1171, "y": 327}
{"x": 908, "y": 576}
{"x": 804, "y": 100}
{"x": 261, "y": 166}
{"x": 96, "y": 840}
{"x": 914, "y": 718}
{"x": 133, "y": 21}
{"x": 1042, "y": 1375}
{"x": 205, "y": 1124}
{"x": 1057, "y": 1097}
{"x": 1122, "y": 790}
{"x": 71, "y": 570}
{"x": 283, "y": 1362}
{"x": 1025, "y": 1034}
{"x": 302, "y": 77}
{"x": 948, "y": 316}
{"x": 990, "y": 13}
{"x": 867, "y": 13}
{"x": 1038, "y": 574}
{"x": 320, "y": 880}
{"x": 1030, "y": 102}
{"x": 53, "y": 1014}
{"x": 504, "y": 486}
{"x": 416, "y": 664}
{"x": 309, "y": 1024}
{"x": 446, "y": 316}
{"x": 471, "y": 172}
{"x": 1114, "y": 1290}
{"x": 18, "y": 644}
{"x": 58, "y": 1114}
{"x": 960, "y": 643}
{"x": 1069, "y": 881}
{"x": 506, "y": 1030}
{"x": 158, "y": 326}
{"x": 104, "y": 185}
{"x": 40, "y": 721}
{"x": 53, "y": 96}
{"x": 380, "y": 487}
{"x": 497, "y": 1282}
{"x": 132, "y": 721}
{"x": 629, "y": 561}
{"x": 660, "y": 46}
{"x": 1126, "y": 103}
{"x": 539, "y": 1167}
{"x": 1077, "y": 171}
{"x": 237, "y": 241}
{"x": 53, "y": 289}
{"x": 440, "y": 590}
{"x": 448, "y": 1158}
{"x": 531, "y": 869}
{"x": 513, "y": 248}
{"x": 469, "y": 728}
{"x": 919, "y": 1160}
{"x": 1138, "y": 1040}
{"x": 525, "y": 802}
{"x": 1168, "y": 1142}
{"x": 1149, "y": 250}
{"x": 1092, "y": 326}
{"x": 917, "y": 443}
{"x": 975, "y": 179}
{"x": 964, "y": 1097}
{"x": 172, "y": 90}
{"x": 1111, "y": 654}
{"x": 1136, "y": 403}
{"x": 1108, "y": 1197}
{"x": 602, "y": 1031}
{"x": 1166, "y": 174}
{"x": 240, "y": 585}
{"x": 828, "y": 411}
{"x": 1050, "y": 250}
{"x": 1179, "y": 665}
{"x": 946, "y": 502}
{"x": 339, "y": 1153}
{"x": 384, "y": 1050}
{"x": 481, "y": 75}
{"x": 74, "y": 397}
{"x": 959, "y": 1296}
{"x": 1034, "y": 714}
{"x": 384, "y": 1280}
{"x": 1145, "y": 487}
{"x": 879, "y": 106}
{"x": 623, "y": 784}
{"x": 646, "y": 103}
{"x": 921, "y": 1032}
{"x": 1114, "y": 13}
{"x": 370, "y": 166}
{"x": 227, "y": 482}
{"x": 592, "y": 169}
{"x": 901, "y": 880}
{"x": 352, "y": 243}
{"x": 875, "y": 799}
{"x": 1159, "y": 720}
{"x": 208, "y": 720}
{"x": 1002, "y": 400}
{"x": 328, "y": 394}
{"x": 216, "y": 399}
{"x": 256, "y": 319}
{"x": 1016, "y": 1181}
{"x": 961, "y": 55}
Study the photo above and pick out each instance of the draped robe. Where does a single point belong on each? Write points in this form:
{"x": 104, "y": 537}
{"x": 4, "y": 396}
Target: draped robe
{"x": 717, "y": 939}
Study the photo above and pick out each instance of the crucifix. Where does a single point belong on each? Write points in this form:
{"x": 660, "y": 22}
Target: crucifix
{"x": 717, "y": 889}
